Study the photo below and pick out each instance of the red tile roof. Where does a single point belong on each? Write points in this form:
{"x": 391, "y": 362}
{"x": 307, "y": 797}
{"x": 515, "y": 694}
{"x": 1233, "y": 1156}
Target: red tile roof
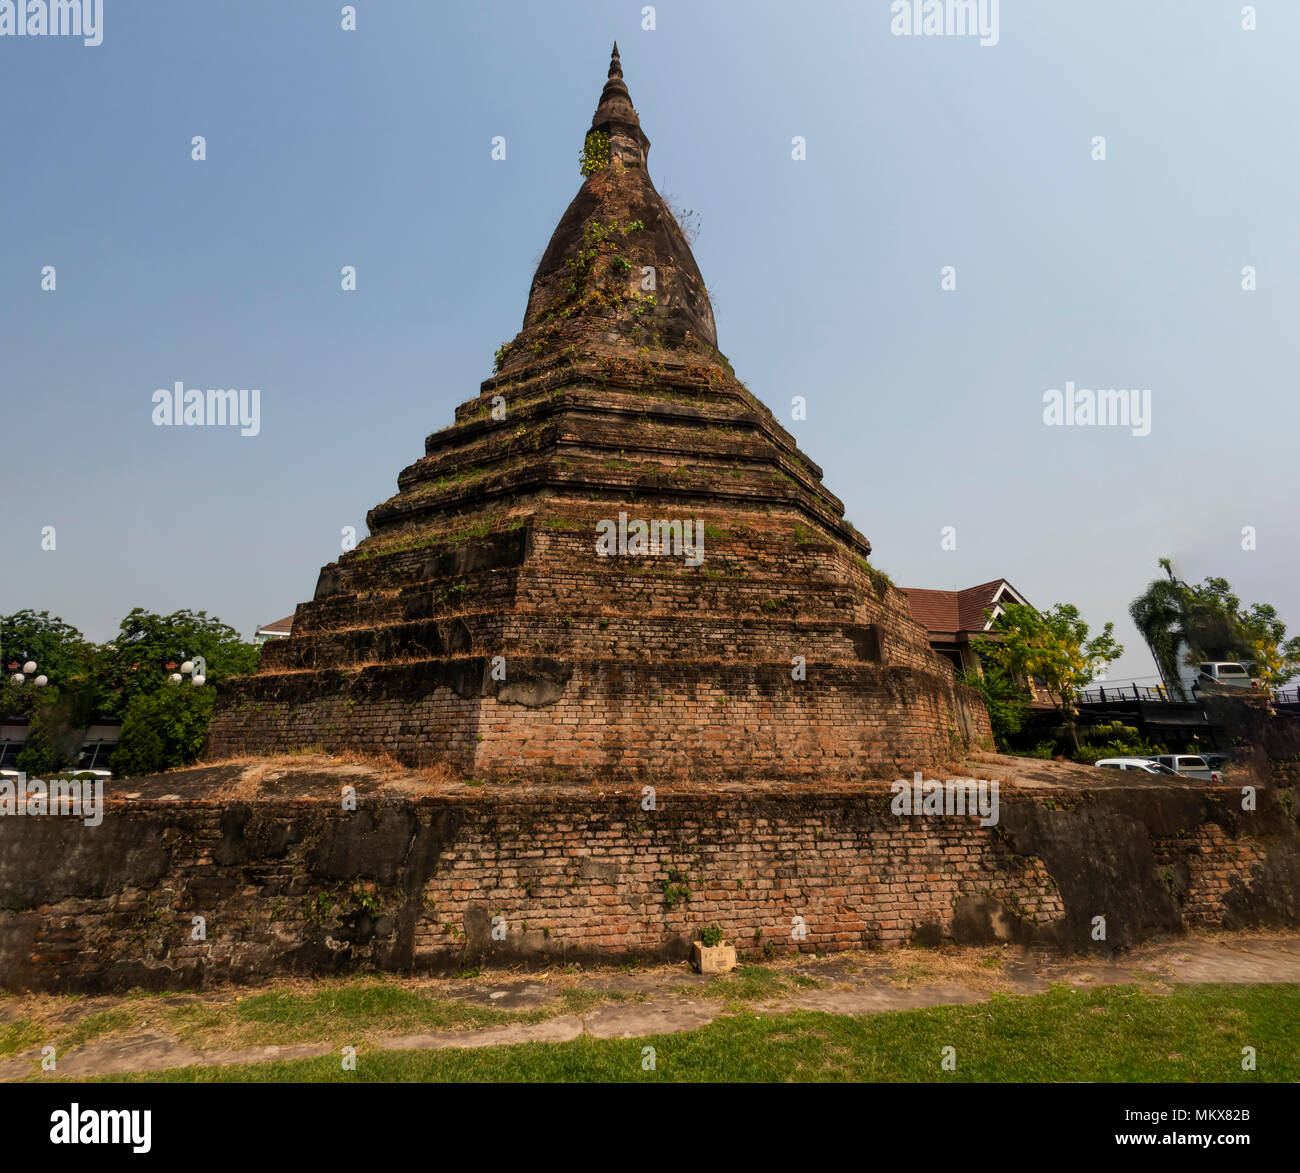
{"x": 974, "y": 601}
{"x": 956, "y": 611}
{"x": 934, "y": 610}
{"x": 284, "y": 625}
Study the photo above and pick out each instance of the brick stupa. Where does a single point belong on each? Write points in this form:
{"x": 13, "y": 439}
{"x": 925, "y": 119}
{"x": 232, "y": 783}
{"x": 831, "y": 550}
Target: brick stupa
{"x": 481, "y": 625}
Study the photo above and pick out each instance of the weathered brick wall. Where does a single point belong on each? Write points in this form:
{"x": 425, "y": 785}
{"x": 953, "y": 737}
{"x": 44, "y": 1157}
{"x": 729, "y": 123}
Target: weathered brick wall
{"x": 300, "y": 885}
{"x": 611, "y": 665}
{"x": 613, "y": 718}
{"x": 1206, "y": 867}
{"x": 759, "y": 594}
{"x": 1286, "y": 773}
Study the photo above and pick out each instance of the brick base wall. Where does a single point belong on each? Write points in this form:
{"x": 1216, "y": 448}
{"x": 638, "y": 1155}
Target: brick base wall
{"x": 609, "y": 719}
{"x": 411, "y": 885}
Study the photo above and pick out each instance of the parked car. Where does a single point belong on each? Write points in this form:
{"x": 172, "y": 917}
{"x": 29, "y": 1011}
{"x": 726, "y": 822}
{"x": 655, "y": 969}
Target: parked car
{"x": 1217, "y": 761}
{"x": 1223, "y": 673}
{"x": 1192, "y": 765}
{"x": 72, "y": 772}
{"x": 1142, "y": 765}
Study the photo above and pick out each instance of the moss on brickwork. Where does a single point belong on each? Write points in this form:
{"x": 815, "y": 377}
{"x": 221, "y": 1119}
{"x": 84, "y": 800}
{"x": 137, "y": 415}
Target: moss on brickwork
{"x": 293, "y": 883}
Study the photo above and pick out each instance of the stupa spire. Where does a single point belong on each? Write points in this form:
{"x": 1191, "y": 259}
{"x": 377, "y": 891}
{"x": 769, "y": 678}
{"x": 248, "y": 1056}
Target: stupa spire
{"x": 617, "y": 117}
{"x": 618, "y": 272}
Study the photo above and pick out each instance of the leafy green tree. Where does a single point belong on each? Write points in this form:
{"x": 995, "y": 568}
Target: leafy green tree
{"x": 58, "y": 712}
{"x": 163, "y": 726}
{"x": 1276, "y": 658}
{"x": 136, "y": 660}
{"x": 163, "y": 729}
{"x": 47, "y": 750}
{"x": 1051, "y": 648}
{"x": 88, "y": 693}
{"x": 56, "y": 727}
{"x": 1214, "y": 623}
{"x": 59, "y": 649}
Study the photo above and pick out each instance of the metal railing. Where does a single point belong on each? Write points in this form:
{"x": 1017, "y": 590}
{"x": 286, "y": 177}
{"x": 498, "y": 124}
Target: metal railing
{"x": 1123, "y": 693}
{"x": 1128, "y": 693}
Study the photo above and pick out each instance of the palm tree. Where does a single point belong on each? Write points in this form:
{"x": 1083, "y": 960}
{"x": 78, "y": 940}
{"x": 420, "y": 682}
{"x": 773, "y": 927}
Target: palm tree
{"x": 1161, "y": 614}
{"x": 1182, "y": 624}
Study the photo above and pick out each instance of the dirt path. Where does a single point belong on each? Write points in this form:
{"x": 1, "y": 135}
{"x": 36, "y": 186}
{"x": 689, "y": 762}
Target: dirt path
{"x": 664, "y": 1000}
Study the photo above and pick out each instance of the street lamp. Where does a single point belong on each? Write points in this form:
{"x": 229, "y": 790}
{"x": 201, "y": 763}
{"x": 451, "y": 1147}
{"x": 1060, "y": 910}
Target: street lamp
{"x": 196, "y": 669}
{"x": 28, "y": 669}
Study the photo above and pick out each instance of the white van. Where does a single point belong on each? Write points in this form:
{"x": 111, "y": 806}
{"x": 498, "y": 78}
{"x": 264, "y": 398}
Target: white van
{"x": 1192, "y": 765}
{"x": 1141, "y": 765}
{"x": 1224, "y": 672}
{"x": 1210, "y": 676}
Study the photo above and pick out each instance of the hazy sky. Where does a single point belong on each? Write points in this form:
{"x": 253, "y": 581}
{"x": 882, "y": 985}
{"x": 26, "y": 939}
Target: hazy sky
{"x": 372, "y": 148}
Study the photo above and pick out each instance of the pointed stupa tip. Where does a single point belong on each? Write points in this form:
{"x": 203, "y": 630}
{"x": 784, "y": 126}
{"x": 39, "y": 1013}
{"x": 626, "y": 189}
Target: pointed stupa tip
{"x": 617, "y": 117}
{"x": 560, "y": 317}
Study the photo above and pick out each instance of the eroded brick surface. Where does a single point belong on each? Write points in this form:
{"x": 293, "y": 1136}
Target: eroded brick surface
{"x": 584, "y": 873}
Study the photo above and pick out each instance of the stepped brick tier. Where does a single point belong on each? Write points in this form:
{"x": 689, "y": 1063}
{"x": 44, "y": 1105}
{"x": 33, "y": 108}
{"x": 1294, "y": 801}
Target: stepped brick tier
{"x": 479, "y": 624}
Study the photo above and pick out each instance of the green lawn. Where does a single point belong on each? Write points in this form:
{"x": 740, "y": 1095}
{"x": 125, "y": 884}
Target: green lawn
{"x": 1108, "y": 1034}
{"x": 355, "y": 1011}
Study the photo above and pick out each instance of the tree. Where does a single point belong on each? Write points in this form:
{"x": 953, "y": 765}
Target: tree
{"x": 89, "y": 681}
{"x": 1051, "y": 648}
{"x": 59, "y": 649}
{"x": 46, "y": 750}
{"x": 136, "y": 661}
{"x": 1184, "y": 624}
{"x": 163, "y": 729}
{"x": 1213, "y": 622}
{"x": 1160, "y": 614}
{"x": 1276, "y": 658}
{"x": 56, "y": 728}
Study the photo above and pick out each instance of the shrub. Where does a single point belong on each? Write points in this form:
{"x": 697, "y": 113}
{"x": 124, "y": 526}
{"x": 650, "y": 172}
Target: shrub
{"x": 52, "y": 743}
{"x": 163, "y": 730}
{"x": 1087, "y": 755}
{"x": 1115, "y": 740}
{"x": 1006, "y": 700}
{"x": 595, "y": 152}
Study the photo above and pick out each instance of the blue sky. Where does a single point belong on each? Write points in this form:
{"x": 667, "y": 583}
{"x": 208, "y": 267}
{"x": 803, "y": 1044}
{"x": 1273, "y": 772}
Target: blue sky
{"x": 372, "y": 148}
